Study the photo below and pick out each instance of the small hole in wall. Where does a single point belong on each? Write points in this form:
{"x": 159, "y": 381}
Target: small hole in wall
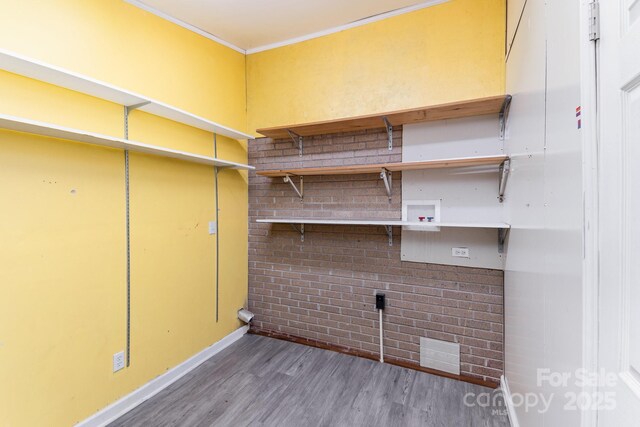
{"x": 73, "y": 191}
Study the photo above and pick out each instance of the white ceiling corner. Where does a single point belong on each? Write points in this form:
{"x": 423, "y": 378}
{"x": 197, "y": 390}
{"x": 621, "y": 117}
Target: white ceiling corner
{"x": 250, "y": 26}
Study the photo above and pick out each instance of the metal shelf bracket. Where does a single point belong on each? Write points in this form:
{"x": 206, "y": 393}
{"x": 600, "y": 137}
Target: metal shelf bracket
{"x": 389, "y": 132}
{"x": 385, "y": 175}
{"x": 504, "y": 116}
{"x": 299, "y": 230}
{"x": 502, "y": 237}
{"x": 297, "y": 140}
{"x": 136, "y": 106}
{"x": 299, "y": 192}
{"x": 504, "y": 176}
{"x": 128, "y": 109}
{"x": 389, "y": 231}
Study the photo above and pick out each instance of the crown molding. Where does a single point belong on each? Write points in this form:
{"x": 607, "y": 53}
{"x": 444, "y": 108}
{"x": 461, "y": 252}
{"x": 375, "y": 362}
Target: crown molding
{"x": 290, "y": 41}
{"x": 350, "y": 25}
{"x": 186, "y": 25}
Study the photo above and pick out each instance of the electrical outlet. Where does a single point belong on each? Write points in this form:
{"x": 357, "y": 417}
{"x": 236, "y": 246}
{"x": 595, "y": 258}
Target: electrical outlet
{"x": 460, "y": 252}
{"x": 213, "y": 227}
{"x": 118, "y": 361}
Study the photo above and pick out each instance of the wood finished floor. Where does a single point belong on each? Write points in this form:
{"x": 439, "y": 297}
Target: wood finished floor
{"x": 260, "y": 381}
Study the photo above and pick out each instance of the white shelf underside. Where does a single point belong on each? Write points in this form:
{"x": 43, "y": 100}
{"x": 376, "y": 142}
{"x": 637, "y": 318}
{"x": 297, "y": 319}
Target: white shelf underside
{"x": 45, "y": 129}
{"x": 413, "y": 224}
{"x": 34, "y": 69}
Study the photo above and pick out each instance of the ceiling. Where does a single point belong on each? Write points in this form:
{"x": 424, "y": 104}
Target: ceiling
{"x": 255, "y": 25}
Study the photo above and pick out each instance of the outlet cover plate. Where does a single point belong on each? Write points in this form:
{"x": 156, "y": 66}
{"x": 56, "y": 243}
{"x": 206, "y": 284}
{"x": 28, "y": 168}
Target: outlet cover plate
{"x": 213, "y": 227}
{"x": 118, "y": 361}
{"x": 460, "y": 252}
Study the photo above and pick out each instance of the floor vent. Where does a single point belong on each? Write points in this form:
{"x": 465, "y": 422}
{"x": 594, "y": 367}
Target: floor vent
{"x": 440, "y": 355}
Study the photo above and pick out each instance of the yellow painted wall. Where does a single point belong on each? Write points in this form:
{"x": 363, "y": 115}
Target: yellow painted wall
{"x": 118, "y": 43}
{"x": 443, "y": 53}
{"x": 62, "y": 254}
{"x": 62, "y": 215}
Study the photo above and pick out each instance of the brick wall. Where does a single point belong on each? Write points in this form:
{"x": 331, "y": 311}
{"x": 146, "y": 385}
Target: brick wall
{"x": 323, "y": 288}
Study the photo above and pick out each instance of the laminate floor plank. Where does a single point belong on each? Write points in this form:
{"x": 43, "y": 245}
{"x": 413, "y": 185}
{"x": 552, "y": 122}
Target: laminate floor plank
{"x": 260, "y": 381}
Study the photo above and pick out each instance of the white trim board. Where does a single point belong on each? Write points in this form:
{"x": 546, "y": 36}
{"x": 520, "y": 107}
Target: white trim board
{"x": 185, "y": 25}
{"x": 286, "y": 42}
{"x": 153, "y": 387}
{"x": 508, "y": 401}
{"x": 52, "y": 74}
{"x": 19, "y": 124}
{"x": 348, "y": 26}
{"x": 589, "y": 63}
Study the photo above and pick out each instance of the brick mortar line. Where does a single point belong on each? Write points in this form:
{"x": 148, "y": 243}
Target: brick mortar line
{"x": 344, "y": 283}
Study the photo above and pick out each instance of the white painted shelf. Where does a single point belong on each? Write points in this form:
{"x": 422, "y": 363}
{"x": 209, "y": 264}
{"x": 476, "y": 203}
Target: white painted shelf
{"x": 38, "y": 70}
{"x": 413, "y": 224}
{"x": 45, "y": 129}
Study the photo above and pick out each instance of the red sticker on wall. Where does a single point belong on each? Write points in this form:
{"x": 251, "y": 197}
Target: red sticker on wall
{"x": 578, "y": 114}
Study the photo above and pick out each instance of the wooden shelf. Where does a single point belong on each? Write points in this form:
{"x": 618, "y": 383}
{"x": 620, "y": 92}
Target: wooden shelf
{"x": 453, "y": 110}
{"x": 391, "y": 167}
{"x": 393, "y": 223}
{"x": 34, "y": 69}
{"x": 45, "y": 129}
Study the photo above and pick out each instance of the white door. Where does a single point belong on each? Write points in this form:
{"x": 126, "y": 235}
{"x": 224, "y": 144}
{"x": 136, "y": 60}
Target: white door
{"x": 619, "y": 192}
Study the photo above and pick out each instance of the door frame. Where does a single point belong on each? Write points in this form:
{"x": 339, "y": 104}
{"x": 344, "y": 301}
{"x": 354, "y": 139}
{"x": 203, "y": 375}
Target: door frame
{"x": 590, "y": 177}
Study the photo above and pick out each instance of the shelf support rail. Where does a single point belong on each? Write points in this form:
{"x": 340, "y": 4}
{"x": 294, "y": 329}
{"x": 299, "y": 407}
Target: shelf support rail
{"x": 385, "y": 175}
{"x": 502, "y": 237}
{"x": 299, "y": 192}
{"x": 128, "y": 240}
{"x": 504, "y": 175}
{"x": 299, "y": 230}
{"x": 389, "y": 128}
{"x": 389, "y": 231}
{"x": 297, "y": 140}
{"x": 128, "y": 109}
{"x": 504, "y": 116}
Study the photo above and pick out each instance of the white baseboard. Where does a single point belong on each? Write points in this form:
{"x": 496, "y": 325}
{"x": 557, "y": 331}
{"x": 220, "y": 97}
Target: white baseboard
{"x": 153, "y": 387}
{"x": 506, "y": 394}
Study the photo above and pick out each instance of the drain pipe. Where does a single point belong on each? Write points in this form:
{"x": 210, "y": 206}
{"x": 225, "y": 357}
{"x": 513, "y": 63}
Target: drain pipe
{"x": 380, "y": 306}
{"x": 245, "y": 315}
